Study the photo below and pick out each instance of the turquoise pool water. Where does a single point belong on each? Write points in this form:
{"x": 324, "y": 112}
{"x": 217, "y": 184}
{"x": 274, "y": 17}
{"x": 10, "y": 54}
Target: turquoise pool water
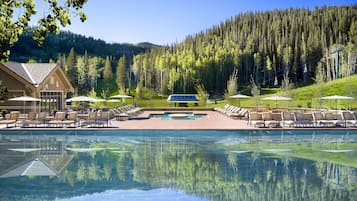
{"x": 181, "y": 116}
{"x": 174, "y": 165}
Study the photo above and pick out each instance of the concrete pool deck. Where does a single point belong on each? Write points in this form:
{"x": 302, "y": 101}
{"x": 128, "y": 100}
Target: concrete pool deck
{"x": 214, "y": 121}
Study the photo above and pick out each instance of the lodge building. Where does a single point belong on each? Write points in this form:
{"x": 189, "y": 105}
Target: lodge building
{"x": 45, "y": 81}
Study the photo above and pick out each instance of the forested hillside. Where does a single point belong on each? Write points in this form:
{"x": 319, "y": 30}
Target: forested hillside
{"x": 55, "y": 45}
{"x": 262, "y": 46}
{"x": 270, "y": 48}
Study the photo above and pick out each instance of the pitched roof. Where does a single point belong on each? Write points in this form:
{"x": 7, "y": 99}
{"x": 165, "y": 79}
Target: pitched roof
{"x": 33, "y": 73}
{"x": 34, "y": 167}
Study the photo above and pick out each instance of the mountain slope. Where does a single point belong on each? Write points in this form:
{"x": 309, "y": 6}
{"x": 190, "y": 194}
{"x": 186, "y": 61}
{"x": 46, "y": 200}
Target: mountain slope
{"x": 262, "y": 46}
{"x": 54, "y": 45}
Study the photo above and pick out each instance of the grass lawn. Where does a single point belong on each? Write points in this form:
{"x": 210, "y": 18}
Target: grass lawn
{"x": 303, "y": 97}
{"x": 308, "y": 151}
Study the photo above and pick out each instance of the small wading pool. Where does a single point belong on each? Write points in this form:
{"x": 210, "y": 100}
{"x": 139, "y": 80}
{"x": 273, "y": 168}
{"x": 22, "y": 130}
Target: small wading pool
{"x": 178, "y": 116}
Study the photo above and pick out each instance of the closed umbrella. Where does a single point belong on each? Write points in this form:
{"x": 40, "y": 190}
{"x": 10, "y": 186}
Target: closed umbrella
{"x": 277, "y": 98}
{"x": 25, "y": 99}
{"x": 337, "y": 97}
{"x": 239, "y": 96}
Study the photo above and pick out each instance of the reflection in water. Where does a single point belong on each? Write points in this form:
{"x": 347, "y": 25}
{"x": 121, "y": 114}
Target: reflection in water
{"x": 133, "y": 195}
{"x": 162, "y": 167}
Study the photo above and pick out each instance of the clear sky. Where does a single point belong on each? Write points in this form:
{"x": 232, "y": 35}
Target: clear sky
{"x": 167, "y": 21}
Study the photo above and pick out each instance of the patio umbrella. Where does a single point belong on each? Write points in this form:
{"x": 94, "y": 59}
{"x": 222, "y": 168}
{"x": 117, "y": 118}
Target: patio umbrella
{"x": 277, "y": 98}
{"x": 337, "y": 97}
{"x": 239, "y": 96}
{"x": 83, "y": 99}
{"x": 121, "y": 96}
{"x": 113, "y": 101}
{"x": 100, "y": 100}
{"x": 25, "y": 99}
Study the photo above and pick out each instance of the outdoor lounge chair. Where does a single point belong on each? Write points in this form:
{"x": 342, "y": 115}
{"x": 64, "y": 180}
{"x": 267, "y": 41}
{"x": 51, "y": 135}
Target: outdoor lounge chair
{"x": 103, "y": 119}
{"x": 287, "y": 119}
{"x": 120, "y": 116}
{"x": 225, "y": 109}
{"x": 91, "y": 120}
{"x": 31, "y": 120}
{"x": 269, "y": 120}
{"x": 230, "y": 109}
{"x": 333, "y": 120}
{"x": 256, "y": 119}
{"x": 222, "y": 109}
{"x": 71, "y": 119}
{"x": 13, "y": 119}
{"x": 301, "y": 120}
{"x": 242, "y": 113}
{"x": 319, "y": 121}
{"x": 235, "y": 113}
{"x": 131, "y": 110}
{"x": 348, "y": 118}
{"x": 42, "y": 118}
{"x": 58, "y": 120}
{"x": 354, "y": 113}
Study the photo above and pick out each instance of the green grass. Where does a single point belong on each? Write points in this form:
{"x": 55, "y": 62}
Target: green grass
{"x": 307, "y": 96}
{"x": 308, "y": 151}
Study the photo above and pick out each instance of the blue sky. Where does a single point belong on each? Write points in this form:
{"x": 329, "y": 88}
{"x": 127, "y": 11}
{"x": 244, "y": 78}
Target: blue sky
{"x": 167, "y": 21}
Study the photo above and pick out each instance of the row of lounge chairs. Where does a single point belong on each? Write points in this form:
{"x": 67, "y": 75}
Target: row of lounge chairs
{"x": 233, "y": 111}
{"x": 60, "y": 119}
{"x": 12, "y": 120}
{"x": 70, "y": 119}
{"x": 126, "y": 112}
{"x": 300, "y": 119}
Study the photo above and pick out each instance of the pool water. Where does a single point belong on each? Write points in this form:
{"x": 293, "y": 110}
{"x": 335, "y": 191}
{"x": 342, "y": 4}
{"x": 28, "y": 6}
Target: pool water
{"x": 178, "y": 116}
{"x": 177, "y": 165}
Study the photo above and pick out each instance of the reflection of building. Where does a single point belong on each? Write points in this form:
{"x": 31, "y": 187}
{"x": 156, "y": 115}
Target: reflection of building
{"x": 42, "y": 80}
{"x": 37, "y": 158}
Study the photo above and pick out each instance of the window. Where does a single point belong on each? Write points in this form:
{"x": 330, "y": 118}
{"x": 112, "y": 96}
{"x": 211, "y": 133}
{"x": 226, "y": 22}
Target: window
{"x": 51, "y": 100}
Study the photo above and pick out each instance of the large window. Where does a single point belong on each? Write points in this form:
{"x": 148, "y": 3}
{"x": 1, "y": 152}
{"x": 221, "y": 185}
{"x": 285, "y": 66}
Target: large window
{"x": 51, "y": 100}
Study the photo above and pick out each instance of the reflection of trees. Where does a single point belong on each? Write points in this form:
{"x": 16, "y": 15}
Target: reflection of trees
{"x": 232, "y": 159}
{"x": 200, "y": 169}
{"x": 337, "y": 177}
{"x": 229, "y": 176}
{"x": 216, "y": 175}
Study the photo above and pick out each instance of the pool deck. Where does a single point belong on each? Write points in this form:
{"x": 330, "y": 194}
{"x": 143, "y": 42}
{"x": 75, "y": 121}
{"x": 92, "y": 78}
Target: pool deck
{"x": 214, "y": 121}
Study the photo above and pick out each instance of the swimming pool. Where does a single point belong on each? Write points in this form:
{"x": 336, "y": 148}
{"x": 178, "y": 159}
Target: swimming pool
{"x": 179, "y": 116}
{"x": 185, "y": 165}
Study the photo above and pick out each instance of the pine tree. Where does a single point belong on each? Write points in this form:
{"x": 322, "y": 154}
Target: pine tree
{"x": 120, "y": 74}
{"x": 107, "y": 76}
{"x": 71, "y": 69}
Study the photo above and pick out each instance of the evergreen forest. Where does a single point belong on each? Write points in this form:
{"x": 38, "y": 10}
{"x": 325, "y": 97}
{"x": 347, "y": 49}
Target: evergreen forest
{"x": 55, "y": 45}
{"x": 264, "y": 47}
{"x": 269, "y": 48}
